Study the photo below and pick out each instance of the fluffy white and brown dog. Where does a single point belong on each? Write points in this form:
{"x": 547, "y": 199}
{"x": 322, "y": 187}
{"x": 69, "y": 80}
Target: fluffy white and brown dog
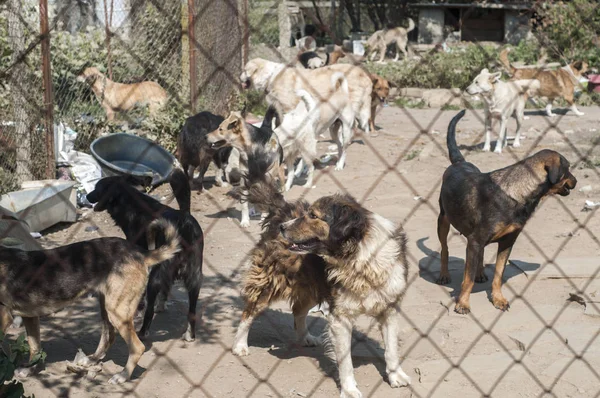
{"x": 281, "y": 82}
{"x": 335, "y": 251}
{"x": 501, "y": 100}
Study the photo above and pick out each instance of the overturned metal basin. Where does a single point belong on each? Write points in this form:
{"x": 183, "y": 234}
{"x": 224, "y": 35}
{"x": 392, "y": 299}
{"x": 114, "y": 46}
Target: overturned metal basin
{"x": 129, "y": 155}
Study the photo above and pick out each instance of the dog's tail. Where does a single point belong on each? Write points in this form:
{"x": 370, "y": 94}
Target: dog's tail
{"x": 268, "y": 120}
{"x": 411, "y": 25}
{"x": 181, "y": 189}
{"x": 312, "y": 110}
{"x": 166, "y": 251}
{"x": 503, "y": 58}
{"x": 455, "y": 155}
{"x": 338, "y": 80}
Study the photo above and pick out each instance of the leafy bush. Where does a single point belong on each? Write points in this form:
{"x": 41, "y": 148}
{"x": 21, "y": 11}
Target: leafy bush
{"x": 13, "y": 355}
{"x": 569, "y": 30}
{"x": 440, "y": 69}
{"x": 264, "y": 28}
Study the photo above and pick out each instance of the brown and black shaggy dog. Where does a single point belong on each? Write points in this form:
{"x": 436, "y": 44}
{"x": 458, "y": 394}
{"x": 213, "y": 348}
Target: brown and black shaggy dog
{"x": 361, "y": 269}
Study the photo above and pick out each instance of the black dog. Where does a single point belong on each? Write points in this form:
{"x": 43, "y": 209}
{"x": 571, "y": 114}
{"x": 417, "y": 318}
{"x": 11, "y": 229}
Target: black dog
{"x": 193, "y": 151}
{"x": 133, "y": 211}
{"x": 493, "y": 208}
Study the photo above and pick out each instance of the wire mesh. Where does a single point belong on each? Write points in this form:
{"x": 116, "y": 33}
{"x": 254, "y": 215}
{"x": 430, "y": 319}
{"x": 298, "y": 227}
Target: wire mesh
{"x": 547, "y": 344}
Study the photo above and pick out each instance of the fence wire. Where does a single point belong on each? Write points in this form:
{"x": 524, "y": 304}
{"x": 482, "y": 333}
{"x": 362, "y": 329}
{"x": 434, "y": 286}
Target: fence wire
{"x": 551, "y": 349}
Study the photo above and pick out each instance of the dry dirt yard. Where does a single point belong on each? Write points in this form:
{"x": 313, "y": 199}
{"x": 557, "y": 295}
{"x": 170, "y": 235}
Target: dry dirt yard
{"x": 545, "y": 343}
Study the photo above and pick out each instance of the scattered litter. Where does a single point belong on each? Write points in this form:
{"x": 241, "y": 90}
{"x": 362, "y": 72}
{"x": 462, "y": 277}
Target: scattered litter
{"x": 593, "y": 130}
{"x": 91, "y": 228}
{"x": 569, "y": 131}
{"x": 81, "y": 365}
{"x": 589, "y": 205}
{"x": 327, "y": 158}
{"x": 435, "y": 132}
{"x": 519, "y": 343}
{"x": 417, "y": 198}
{"x": 253, "y": 212}
{"x": 298, "y": 393}
{"x": 418, "y": 371}
{"x": 332, "y": 148}
{"x": 576, "y": 299}
{"x": 35, "y": 235}
{"x": 586, "y": 189}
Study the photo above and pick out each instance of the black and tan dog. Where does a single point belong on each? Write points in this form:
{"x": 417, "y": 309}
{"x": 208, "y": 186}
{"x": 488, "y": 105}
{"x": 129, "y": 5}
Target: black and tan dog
{"x": 194, "y": 152}
{"x": 133, "y": 211}
{"x": 493, "y": 208}
{"x": 42, "y": 282}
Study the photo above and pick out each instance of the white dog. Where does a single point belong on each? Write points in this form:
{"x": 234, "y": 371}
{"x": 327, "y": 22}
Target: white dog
{"x": 501, "y": 100}
{"x": 300, "y": 128}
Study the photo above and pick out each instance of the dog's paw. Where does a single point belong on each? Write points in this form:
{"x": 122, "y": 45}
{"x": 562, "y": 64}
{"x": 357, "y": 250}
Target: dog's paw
{"x": 443, "y": 280}
{"x": 399, "y": 379}
{"x": 526, "y": 117}
{"x": 516, "y": 144}
{"x": 481, "y": 278}
{"x": 311, "y": 341}
{"x": 462, "y": 309}
{"x": 579, "y": 113}
{"x": 245, "y": 224}
{"x": 501, "y": 303}
{"x": 187, "y": 336}
{"x": 486, "y": 148}
{"x": 339, "y": 167}
{"x": 498, "y": 149}
{"x": 353, "y": 392}
{"x": 241, "y": 350}
{"x": 119, "y": 378}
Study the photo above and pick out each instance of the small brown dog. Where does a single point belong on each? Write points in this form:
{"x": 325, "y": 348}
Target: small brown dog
{"x": 381, "y": 90}
{"x": 553, "y": 83}
{"x": 41, "y": 282}
{"x": 493, "y": 208}
{"x": 115, "y": 97}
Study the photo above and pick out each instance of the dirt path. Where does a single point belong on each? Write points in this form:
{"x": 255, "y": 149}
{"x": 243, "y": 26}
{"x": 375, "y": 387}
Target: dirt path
{"x": 396, "y": 174}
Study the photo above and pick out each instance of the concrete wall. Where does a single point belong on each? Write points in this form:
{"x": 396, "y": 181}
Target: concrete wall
{"x": 516, "y": 27}
{"x": 431, "y": 26}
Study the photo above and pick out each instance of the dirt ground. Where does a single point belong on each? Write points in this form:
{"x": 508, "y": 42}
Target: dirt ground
{"x": 545, "y": 343}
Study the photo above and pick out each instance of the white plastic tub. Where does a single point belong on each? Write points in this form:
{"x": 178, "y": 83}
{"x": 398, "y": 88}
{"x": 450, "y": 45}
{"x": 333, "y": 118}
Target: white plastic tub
{"x": 41, "y": 204}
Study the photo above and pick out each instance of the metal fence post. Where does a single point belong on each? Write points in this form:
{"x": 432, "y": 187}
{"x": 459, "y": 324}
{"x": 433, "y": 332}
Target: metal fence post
{"x": 192, "y": 40}
{"x": 48, "y": 97}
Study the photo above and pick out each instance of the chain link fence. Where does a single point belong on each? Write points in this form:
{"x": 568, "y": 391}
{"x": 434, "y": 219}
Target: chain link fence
{"x": 546, "y": 345}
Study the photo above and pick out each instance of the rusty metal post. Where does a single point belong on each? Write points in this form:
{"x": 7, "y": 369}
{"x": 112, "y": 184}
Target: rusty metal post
{"x": 246, "y": 25}
{"x": 48, "y": 97}
{"x": 192, "y": 40}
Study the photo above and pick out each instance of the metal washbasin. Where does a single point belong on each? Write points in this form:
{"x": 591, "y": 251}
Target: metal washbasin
{"x": 133, "y": 156}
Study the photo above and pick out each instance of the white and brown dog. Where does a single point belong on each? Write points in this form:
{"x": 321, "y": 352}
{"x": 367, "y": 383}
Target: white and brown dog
{"x": 501, "y": 100}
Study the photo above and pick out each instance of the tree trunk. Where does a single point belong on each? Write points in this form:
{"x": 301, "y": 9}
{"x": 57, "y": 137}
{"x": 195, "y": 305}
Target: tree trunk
{"x": 76, "y": 15}
{"x": 354, "y": 14}
{"x": 20, "y": 80}
{"x": 218, "y": 50}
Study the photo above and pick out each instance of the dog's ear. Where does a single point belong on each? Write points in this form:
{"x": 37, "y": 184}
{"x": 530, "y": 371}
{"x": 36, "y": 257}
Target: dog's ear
{"x": 494, "y": 77}
{"x": 348, "y": 223}
{"x": 578, "y": 65}
{"x": 233, "y": 124}
{"x": 555, "y": 169}
{"x": 484, "y": 71}
{"x": 374, "y": 78}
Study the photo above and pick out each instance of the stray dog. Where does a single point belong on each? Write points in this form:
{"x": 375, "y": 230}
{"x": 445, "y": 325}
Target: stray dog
{"x": 493, "y": 208}
{"x": 246, "y": 138}
{"x": 501, "y": 100}
{"x": 381, "y": 39}
{"x": 281, "y": 83}
{"x": 133, "y": 211}
{"x": 554, "y": 84}
{"x": 194, "y": 152}
{"x": 365, "y": 269}
{"x": 299, "y": 129}
{"x": 41, "y": 282}
{"x": 381, "y": 90}
{"x": 311, "y": 60}
{"x": 115, "y": 97}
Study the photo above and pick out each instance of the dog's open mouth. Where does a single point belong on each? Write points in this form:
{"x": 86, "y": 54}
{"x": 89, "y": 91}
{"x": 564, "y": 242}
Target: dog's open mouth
{"x": 564, "y": 190}
{"x": 218, "y": 144}
{"x": 305, "y": 246}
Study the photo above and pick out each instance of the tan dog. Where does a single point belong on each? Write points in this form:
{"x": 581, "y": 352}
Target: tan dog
{"x": 554, "y": 84}
{"x": 381, "y": 90}
{"x": 281, "y": 83}
{"x": 115, "y": 97}
{"x": 381, "y": 39}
